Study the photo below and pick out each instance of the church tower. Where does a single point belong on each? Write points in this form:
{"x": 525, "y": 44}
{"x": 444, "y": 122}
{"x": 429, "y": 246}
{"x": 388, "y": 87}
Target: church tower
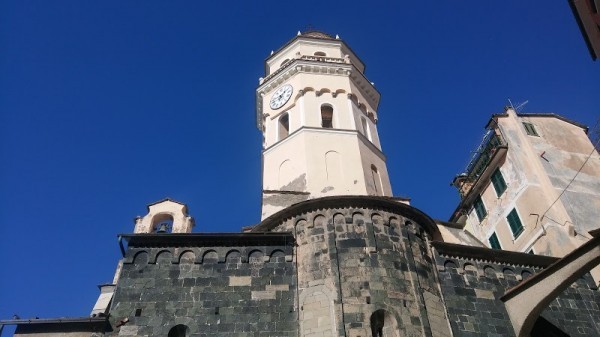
{"x": 318, "y": 115}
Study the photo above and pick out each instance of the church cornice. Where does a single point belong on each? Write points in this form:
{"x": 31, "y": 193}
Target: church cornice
{"x": 482, "y": 254}
{"x": 314, "y": 65}
{"x": 312, "y": 40}
{"x": 360, "y": 136}
{"x": 206, "y": 239}
{"x": 345, "y": 201}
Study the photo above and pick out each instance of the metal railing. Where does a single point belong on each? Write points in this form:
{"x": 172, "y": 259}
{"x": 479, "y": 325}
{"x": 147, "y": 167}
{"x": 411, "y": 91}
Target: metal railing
{"x": 480, "y": 160}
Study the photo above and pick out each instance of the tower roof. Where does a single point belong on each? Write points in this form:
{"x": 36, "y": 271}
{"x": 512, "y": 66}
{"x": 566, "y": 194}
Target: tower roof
{"x": 316, "y": 34}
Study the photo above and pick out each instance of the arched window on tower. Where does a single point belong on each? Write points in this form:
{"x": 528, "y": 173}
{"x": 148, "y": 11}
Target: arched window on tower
{"x": 284, "y": 62}
{"x": 376, "y": 180}
{"x": 327, "y": 116}
{"x": 162, "y": 223}
{"x": 365, "y": 127}
{"x": 284, "y": 126}
{"x": 320, "y": 53}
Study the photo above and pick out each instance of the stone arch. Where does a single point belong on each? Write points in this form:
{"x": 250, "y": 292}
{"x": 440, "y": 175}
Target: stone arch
{"x": 317, "y": 312}
{"x": 141, "y": 257}
{"x": 489, "y": 271}
{"x": 308, "y": 89}
{"x": 508, "y": 271}
{"x": 276, "y": 254}
{"x": 210, "y": 256}
{"x": 358, "y": 222}
{"x": 319, "y": 221}
{"x": 164, "y": 257}
{"x": 187, "y": 256}
{"x": 256, "y": 256}
{"x": 179, "y": 330}
{"x": 162, "y": 222}
{"x": 449, "y": 264}
{"x": 525, "y": 303}
{"x": 301, "y": 234}
{"x": 383, "y": 324}
{"x": 469, "y": 267}
{"x": 323, "y": 91}
{"x": 377, "y": 219}
{"x": 340, "y": 91}
{"x": 339, "y": 219}
{"x": 233, "y": 256}
{"x": 394, "y": 226}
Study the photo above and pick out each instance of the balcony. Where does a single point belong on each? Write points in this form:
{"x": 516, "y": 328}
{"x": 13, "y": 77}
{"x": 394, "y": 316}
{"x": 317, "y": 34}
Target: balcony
{"x": 485, "y": 158}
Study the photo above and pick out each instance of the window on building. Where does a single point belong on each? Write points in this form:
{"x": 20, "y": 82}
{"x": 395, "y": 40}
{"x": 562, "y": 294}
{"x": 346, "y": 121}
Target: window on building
{"x": 284, "y": 61}
{"x": 530, "y": 129}
{"x": 327, "y": 116}
{"x": 162, "y": 223}
{"x": 498, "y": 182}
{"x": 376, "y": 180}
{"x": 284, "y": 126}
{"x": 479, "y": 208}
{"x": 365, "y": 127}
{"x": 320, "y": 53}
{"x": 516, "y": 227}
{"x": 494, "y": 242}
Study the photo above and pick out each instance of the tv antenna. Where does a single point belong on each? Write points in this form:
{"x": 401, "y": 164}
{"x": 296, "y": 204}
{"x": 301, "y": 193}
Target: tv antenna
{"x": 522, "y": 104}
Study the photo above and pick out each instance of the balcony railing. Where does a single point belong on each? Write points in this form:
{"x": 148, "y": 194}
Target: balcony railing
{"x": 490, "y": 146}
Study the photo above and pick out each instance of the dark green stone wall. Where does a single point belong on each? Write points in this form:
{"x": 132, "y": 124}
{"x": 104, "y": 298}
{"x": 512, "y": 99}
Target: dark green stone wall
{"x": 213, "y": 291}
{"x": 471, "y": 291}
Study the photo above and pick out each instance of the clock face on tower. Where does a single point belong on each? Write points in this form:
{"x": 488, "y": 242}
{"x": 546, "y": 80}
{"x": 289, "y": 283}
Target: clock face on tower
{"x": 281, "y": 96}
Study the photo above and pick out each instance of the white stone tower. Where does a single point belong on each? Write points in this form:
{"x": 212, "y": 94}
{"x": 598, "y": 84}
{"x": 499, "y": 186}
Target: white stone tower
{"x": 318, "y": 115}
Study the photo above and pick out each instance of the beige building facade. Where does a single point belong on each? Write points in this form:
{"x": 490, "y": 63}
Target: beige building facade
{"x": 533, "y": 185}
{"x": 318, "y": 115}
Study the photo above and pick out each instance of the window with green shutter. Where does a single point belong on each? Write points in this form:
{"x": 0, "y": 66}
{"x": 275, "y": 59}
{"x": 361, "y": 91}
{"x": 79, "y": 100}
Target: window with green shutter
{"x": 530, "y": 129}
{"x": 516, "y": 227}
{"x": 479, "y": 209}
{"x": 498, "y": 182}
{"x": 494, "y": 242}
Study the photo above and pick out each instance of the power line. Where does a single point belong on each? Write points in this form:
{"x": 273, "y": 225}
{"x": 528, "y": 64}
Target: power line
{"x": 594, "y": 145}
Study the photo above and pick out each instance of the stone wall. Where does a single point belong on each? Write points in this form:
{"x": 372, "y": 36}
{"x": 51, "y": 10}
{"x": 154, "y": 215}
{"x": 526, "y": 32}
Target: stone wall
{"x": 207, "y": 287}
{"x": 472, "y": 287}
{"x": 364, "y": 270}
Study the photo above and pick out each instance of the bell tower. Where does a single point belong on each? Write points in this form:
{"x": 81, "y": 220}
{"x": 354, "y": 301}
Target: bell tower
{"x": 318, "y": 115}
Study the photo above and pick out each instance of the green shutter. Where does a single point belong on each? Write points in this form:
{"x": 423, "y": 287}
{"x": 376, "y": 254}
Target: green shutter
{"x": 480, "y": 209}
{"x": 498, "y": 182}
{"x": 494, "y": 242}
{"x": 530, "y": 129}
{"x": 514, "y": 222}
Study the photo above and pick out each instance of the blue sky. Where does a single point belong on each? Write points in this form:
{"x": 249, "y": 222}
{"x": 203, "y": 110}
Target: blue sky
{"x": 107, "y": 106}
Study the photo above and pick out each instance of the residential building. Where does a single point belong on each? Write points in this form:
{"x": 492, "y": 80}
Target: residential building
{"x": 533, "y": 185}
